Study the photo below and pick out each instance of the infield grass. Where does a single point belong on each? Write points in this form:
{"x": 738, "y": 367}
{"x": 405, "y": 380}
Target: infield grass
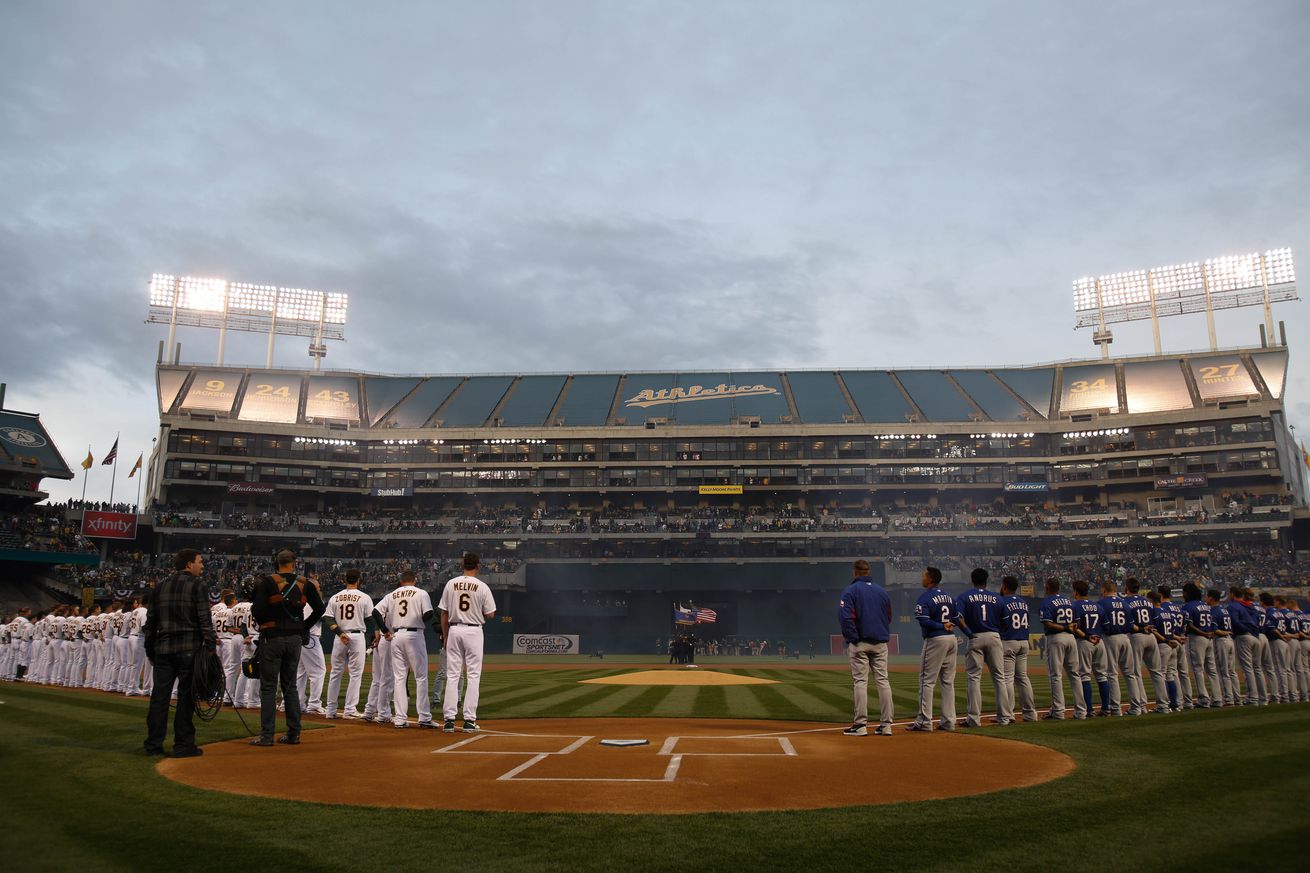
{"x": 1184, "y": 792}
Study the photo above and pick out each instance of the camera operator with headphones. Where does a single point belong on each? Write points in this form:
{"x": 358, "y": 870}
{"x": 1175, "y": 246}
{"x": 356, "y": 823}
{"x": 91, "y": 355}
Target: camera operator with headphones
{"x": 278, "y": 606}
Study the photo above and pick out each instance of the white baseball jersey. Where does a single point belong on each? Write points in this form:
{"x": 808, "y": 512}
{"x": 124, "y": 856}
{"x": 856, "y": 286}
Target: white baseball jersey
{"x": 25, "y": 629}
{"x": 350, "y": 607}
{"x": 316, "y": 629}
{"x": 239, "y": 615}
{"x": 404, "y": 607}
{"x": 218, "y": 615}
{"x": 467, "y": 600}
{"x": 137, "y": 623}
{"x": 115, "y": 624}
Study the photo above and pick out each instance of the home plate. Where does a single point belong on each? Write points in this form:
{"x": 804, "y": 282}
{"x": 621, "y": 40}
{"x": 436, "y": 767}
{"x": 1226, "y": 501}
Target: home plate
{"x": 623, "y": 744}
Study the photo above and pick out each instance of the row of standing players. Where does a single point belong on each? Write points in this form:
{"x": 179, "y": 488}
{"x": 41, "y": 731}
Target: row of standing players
{"x": 1207, "y": 652}
{"x": 104, "y": 649}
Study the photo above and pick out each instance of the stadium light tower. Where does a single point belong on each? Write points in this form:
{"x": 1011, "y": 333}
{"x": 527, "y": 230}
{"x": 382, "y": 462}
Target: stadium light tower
{"x": 216, "y": 303}
{"x": 1219, "y": 283}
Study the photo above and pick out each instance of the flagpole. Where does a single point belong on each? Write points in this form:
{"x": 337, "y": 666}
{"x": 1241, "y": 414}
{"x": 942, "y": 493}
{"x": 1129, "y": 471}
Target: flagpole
{"x": 114, "y": 474}
{"x": 137, "y": 505}
{"x": 86, "y": 474}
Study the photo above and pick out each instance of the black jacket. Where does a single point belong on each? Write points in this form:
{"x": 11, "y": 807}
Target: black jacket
{"x": 279, "y": 602}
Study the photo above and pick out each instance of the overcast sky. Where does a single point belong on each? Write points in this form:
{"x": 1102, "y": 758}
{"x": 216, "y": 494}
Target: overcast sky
{"x": 529, "y": 186}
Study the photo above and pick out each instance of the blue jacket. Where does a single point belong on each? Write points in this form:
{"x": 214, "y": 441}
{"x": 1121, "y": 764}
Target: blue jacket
{"x": 865, "y": 612}
{"x": 1243, "y": 619}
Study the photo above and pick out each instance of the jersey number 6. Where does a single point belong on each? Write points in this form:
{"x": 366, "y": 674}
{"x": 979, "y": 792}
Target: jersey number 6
{"x": 463, "y": 603}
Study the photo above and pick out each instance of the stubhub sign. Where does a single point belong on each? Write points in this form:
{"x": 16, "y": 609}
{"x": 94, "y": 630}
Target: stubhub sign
{"x": 545, "y": 644}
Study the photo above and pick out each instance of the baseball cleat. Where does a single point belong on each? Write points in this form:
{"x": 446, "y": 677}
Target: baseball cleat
{"x": 883, "y": 730}
{"x": 965, "y": 723}
{"x": 1002, "y": 722}
{"x": 381, "y": 719}
{"x": 354, "y": 714}
{"x": 428, "y": 724}
{"x": 470, "y": 727}
{"x": 920, "y": 728}
{"x": 402, "y": 724}
{"x": 448, "y": 726}
{"x": 856, "y": 730}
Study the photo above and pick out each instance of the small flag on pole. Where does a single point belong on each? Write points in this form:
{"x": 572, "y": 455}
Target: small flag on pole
{"x": 137, "y": 465}
{"x": 1305, "y": 456}
{"x": 112, "y": 456}
{"x": 683, "y": 615}
{"x": 706, "y": 616}
{"x": 86, "y": 465}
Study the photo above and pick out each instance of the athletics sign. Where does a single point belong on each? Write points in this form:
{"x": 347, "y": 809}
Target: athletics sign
{"x": 722, "y": 391}
{"x": 109, "y": 525}
{"x": 545, "y": 644}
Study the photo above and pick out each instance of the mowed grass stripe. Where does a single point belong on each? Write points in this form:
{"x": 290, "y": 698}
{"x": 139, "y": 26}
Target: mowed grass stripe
{"x": 680, "y": 700}
{"x": 562, "y": 702}
{"x": 807, "y": 702}
{"x": 741, "y": 701}
{"x": 618, "y": 698}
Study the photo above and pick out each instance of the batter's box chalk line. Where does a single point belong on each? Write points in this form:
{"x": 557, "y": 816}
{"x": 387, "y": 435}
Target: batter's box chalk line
{"x": 785, "y": 750}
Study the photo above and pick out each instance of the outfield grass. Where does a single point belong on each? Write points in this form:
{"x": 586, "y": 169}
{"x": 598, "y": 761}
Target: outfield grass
{"x": 1202, "y": 789}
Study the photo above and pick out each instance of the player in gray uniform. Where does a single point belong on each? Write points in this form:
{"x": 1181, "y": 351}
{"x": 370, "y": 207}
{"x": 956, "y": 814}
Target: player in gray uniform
{"x": 937, "y": 616}
{"x": 1225, "y": 651}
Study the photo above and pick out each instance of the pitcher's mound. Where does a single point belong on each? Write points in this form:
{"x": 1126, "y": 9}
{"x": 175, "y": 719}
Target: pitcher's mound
{"x": 678, "y": 677}
{"x": 559, "y": 765}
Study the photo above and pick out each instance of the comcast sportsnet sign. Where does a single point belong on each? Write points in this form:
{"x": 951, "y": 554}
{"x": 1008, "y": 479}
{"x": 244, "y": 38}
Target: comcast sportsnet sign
{"x": 110, "y": 525}
{"x": 545, "y": 644}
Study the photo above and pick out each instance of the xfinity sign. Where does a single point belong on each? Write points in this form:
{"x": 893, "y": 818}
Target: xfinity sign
{"x": 109, "y": 525}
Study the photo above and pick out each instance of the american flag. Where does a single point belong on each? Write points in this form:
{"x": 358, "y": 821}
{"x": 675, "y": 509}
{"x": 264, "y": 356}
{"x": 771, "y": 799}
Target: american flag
{"x": 706, "y": 616}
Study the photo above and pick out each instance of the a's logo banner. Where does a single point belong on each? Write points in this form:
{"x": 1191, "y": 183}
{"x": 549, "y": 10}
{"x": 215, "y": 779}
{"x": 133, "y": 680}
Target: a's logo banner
{"x": 109, "y": 525}
{"x": 22, "y": 437}
{"x": 545, "y": 644}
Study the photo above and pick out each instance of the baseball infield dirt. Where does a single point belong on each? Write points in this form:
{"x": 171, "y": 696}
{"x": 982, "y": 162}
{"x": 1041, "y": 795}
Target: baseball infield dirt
{"x": 678, "y": 677}
{"x": 558, "y": 765}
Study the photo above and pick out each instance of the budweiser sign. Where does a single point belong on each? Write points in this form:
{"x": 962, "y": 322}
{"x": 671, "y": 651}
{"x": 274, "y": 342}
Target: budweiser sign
{"x": 259, "y": 489}
{"x": 110, "y": 525}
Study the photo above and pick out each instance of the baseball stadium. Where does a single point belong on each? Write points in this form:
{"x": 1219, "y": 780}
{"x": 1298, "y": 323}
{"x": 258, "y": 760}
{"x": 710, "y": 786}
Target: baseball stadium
{"x": 669, "y": 655}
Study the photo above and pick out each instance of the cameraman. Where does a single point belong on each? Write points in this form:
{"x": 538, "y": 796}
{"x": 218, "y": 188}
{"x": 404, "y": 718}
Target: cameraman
{"x": 177, "y": 629}
{"x": 279, "y": 609}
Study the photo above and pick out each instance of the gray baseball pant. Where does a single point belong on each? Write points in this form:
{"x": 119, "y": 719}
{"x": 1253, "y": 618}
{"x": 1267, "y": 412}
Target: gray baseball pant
{"x": 1016, "y": 679}
{"x": 1185, "y": 674}
{"x": 866, "y": 658}
{"x": 1281, "y": 653}
{"x": 937, "y": 665}
{"x": 1094, "y": 666}
{"x": 1225, "y": 661}
{"x": 1145, "y": 650}
{"x": 1061, "y": 659}
{"x": 985, "y": 650}
{"x": 1247, "y": 654}
{"x": 1207, "y": 677}
{"x": 1264, "y": 662}
{"x": 1124, "y": 659}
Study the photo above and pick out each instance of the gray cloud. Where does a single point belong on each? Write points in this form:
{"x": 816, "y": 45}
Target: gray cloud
{"x": 632, "y": 186}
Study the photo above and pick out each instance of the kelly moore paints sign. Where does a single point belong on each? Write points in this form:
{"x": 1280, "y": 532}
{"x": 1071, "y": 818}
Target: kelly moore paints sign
{"x": 110, "y": 525}
{"x": 545, "y": 644}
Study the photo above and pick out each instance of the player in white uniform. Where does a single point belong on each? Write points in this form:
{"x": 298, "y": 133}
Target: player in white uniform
{"x": 466, "y": 605}
{"x": 138, "y": 684}
{"x": 108, "y": 658}
{"x": 91, "y": 640}
{"x": 241, "y": 692}
{"x": 404, "y": 614}
{"x": 347, "y": 617}
{"x": 312, "y": 667}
